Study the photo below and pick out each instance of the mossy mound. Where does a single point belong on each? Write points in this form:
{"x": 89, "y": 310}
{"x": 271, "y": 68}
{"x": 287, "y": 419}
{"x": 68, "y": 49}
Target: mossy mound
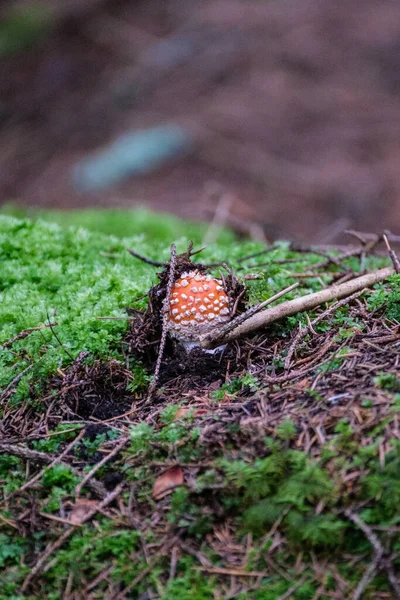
{"x": 253, "y": 483}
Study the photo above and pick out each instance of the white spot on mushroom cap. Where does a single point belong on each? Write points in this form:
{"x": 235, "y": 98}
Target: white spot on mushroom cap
{"x": 184, "y": 283}
{"x": 175, "y": 311}
{"x": 183, "y": 296}
{"x": 211, "y": 316}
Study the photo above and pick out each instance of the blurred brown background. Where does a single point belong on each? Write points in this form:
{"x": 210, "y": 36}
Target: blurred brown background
{"x": 291, "y": 109}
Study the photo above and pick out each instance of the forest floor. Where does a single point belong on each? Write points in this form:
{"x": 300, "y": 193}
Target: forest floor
{"x": 269, "y": 470}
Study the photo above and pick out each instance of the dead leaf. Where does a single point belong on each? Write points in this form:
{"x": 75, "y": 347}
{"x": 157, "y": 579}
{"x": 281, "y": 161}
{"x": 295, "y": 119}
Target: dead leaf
{"x": 80, "y": 510}
{"x": 167, "y": 482}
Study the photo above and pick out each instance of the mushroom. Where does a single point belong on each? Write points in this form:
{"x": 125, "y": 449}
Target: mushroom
{"x": 198, "y": 304}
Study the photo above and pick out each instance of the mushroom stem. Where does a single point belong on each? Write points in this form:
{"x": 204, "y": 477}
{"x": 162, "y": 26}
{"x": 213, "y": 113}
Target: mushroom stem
{"x": 190, "y": 345}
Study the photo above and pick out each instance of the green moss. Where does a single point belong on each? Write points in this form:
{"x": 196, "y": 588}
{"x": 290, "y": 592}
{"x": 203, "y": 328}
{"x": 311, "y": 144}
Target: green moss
{"x": 62, "y": 275}
{"x": 120, "y": 222}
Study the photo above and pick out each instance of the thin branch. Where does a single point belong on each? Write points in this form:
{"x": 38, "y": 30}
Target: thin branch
{"x": 167, "y": 302}
{"x": 99, "y": 465}
{"x": 25, "y": 333}
{"x": 54, "y": 462}
{"x": 13, "y": 384}
{"x": 41, "y": 563}
{"x": 303, "y": 332}
{"x": 392, "y": 254}
{"x": 43, "y": 457}
{"x": 255, "y": 254}
{"x": 148, "y": 261}
{"x": 292, "y": 307}
{"x": 380, "y": 561}
{"x": 367, "y": 237}
{"x": 379, "y": 552}
{"x": 293, "y": 588}
{"x": 57, "y": 338}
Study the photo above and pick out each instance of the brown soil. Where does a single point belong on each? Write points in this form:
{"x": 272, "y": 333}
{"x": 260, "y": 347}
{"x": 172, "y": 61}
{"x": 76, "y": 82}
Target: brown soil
{"x": 295, "y": 104}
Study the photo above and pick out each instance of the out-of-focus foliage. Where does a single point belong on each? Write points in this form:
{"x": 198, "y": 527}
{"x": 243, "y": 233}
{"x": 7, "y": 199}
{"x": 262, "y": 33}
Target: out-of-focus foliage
{"x": 21, "y": 29}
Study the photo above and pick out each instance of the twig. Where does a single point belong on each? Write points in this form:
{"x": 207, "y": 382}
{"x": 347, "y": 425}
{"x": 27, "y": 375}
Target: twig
{"x": 25, "y": 333}
{"x": 303, "y": 332}
{"x": 155, "y": 559}
{"x": 58, "y": 339}
{"x": 40, "y": 565}
{"x": 100, "y": 577}
{"x": 255, "y": 254}
{"x": 54, "y": 462}
{"x": 167, "y": 302}
{"x": 148, "y": 261}
{"x": 378, "y": 562}
{"x": 392, "y": 254}
{"x": 367, "y": 237}
{"x": 236, "y": 572}
{"x": 155, "y": 263}
{"x": 372, "y": 568}
{"x": 362, "y": 237}
{"x": 43, "y": 457}
{"x": 292, "y": 307}
{"x": 293, "y": 588}
{"x": 100, "y": 464}
{"x": 13, "y": 384}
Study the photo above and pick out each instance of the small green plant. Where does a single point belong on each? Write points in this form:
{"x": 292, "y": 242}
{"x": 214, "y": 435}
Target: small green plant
{"x": 387, "y": 299}
{"x": 388, "y": 381}
{"x": 235, "y": 386}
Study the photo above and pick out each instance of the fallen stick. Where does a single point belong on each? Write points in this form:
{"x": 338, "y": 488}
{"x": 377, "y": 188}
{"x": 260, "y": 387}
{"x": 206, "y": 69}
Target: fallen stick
{"x": 292, "y": 307}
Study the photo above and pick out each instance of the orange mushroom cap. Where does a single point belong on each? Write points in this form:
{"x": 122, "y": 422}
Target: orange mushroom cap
{"x": 198, "y": 303}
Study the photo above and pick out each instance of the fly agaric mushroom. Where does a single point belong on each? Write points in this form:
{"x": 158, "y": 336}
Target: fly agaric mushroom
{"x": 198, "y": 303}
